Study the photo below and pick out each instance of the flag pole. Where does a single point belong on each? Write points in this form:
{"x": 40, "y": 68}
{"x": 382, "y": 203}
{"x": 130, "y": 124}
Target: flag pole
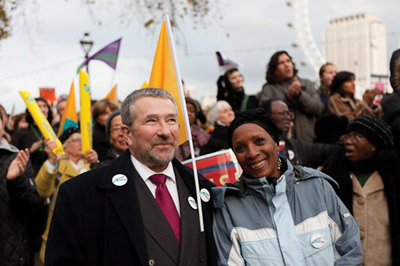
{"x": 186, "y": 119}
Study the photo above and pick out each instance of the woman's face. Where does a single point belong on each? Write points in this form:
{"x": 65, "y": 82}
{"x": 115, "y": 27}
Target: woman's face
{"x": 102, "y": 118}
{"x": 357, "y": 147}
{"x": 44, "y": 108}
{"x": 256, "y": 151}
{"x": 328, "y": 75}
{"x": 73, "y": 146}
{"x": 22, "y": 123}
{"x": 349, "y": 88}
{"x": 191, "y": 113}
{"x": 285, "y": 69}
{"x": 236, "y": 80}
{"x": 226, "y": 115}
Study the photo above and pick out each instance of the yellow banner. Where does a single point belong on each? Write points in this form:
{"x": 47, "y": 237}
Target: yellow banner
{"x": 44, "y": 125}
{"x": 85, "y": 112}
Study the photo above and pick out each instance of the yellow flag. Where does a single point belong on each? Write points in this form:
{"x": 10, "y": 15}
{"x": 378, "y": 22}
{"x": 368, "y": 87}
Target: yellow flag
{"x": 69, "y": 117}
{"x": 112, "y": 96}
{"x": 85, "y": 113}
{"x": 163, "y": 76}
{"x": 145, "y": 85}
{"x": 44, "y": 125}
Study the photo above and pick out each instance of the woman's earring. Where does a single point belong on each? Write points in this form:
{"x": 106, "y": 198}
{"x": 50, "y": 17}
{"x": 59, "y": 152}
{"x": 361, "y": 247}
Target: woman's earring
{"x": 279, "y": 163}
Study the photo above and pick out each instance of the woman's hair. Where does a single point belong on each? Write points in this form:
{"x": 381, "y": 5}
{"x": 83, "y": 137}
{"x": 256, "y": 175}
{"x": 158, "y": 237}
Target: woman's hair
{"x": 17, "y": 119}
{"x": 29, "y": 117}
{"x": 273, "y": 65}
{"x": 339, "y": 80}
{"x": 101, "y": 106}
{"x": 224, "y": 86}
{"x": 322, "y": 69}
{"x": 213, "y": 114}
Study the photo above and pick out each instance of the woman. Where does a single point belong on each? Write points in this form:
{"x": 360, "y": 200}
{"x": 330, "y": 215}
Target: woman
{"x": 56, "y": 171}
{"x": 326, "y": 74}
{"x": 277, "y": 214}
{"x": 343, "y": 102}
{"x": 369, "y": 185}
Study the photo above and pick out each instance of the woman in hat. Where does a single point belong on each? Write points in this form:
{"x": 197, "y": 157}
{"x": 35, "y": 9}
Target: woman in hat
{"x": 369, "y": 185}
{"x": 56, "y": 171}
{"x": 343, "y": 101}
{"x": 277, "y": 213}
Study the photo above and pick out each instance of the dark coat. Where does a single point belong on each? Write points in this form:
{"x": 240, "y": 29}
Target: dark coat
{"x": 101, "y": 144}
{"x": 19, "y": 201}
{"x": 98, "y": 223}
{"x": 338, "y": 168}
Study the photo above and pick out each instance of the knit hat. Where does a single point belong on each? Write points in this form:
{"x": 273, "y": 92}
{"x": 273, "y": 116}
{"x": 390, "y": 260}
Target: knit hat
{"x": 256, "y": 116}
{"x": 108, "y": 123}
{"x": 68, "y": 133}
{"x": 374, "y": 129}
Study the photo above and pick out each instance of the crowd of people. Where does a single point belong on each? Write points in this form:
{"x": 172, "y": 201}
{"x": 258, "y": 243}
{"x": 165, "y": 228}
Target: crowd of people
{"x": 320, "y": 182}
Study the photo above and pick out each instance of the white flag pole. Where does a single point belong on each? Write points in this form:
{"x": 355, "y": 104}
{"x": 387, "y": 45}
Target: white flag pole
{"x": 186, "y": 119}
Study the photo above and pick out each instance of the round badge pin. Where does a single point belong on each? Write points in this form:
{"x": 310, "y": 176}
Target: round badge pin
{"x": 119, "y": 180}
{"x": 192, "y": 203}
{"x": 317, "y": 241}
{"x": 205, "y": 195}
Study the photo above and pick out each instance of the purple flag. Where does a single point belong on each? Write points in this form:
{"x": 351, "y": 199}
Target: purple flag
{"x": 109, "y": 55}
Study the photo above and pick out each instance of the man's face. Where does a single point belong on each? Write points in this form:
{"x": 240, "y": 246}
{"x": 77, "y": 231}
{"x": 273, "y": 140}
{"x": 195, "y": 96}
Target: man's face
{"x": 280, "y": 115}
{"x": 153, "y": 137}
{"x": 285, "y": 69}
{"x": 116, "y": 136}
{"x": 328, "y": 75}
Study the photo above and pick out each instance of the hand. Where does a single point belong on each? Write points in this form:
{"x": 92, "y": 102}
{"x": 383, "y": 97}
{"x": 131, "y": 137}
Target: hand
{"x": 92, "y": 157}
{"x": 35, "y": 146}
{"x": 369, "y": 96}
{"x": 49, "y": 145}
{"x": 294, "y": 89}
{"x": 18, "y": 165}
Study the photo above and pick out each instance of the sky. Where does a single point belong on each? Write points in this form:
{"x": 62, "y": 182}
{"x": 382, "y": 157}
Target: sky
{"x": 44, "y": 49}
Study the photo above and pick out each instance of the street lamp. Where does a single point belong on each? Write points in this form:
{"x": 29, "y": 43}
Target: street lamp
{"x": 87, "y": 44}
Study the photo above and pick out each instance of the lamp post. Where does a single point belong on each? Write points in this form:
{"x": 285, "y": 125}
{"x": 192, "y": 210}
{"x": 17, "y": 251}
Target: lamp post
{"x": 87, "y": 44}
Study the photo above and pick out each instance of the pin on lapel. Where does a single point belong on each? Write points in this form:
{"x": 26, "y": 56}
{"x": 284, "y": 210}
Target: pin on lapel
{"x": 205, "y": 195}
{"x": 192, "y": 203}
{"x": 119, "y": 180}
{"x": 317, "y": 241}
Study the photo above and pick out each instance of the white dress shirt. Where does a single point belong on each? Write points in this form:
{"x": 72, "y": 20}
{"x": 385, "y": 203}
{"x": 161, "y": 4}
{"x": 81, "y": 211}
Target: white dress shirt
{"x": 145, "y": 172}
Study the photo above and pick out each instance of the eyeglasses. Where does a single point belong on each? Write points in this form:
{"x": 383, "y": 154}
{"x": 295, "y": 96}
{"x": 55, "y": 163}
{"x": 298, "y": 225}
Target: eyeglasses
{"x": 116, "y": 129}
{"x": 75, "y": 140}
{"x": 353, "y": 138}
{"x": 285, "y": 113}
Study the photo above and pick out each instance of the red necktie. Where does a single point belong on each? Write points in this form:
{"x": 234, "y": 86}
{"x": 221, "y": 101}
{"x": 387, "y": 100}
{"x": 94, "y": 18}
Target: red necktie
{"x": 166, "y": 203}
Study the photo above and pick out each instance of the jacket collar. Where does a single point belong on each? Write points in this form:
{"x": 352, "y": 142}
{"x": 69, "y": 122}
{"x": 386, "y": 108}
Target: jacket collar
{"x": 4, "y": 145}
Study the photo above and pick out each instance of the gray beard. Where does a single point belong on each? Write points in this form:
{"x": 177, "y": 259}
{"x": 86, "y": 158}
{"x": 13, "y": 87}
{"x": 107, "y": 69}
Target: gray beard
{"x": 153, "y": 159}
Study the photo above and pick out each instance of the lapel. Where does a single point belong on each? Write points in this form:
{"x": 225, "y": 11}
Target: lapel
{"x": 125, "y": 201}
{"x": 155, "y": 222}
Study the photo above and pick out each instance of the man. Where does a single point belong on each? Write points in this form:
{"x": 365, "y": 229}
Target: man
{"x": 298, "y": 152}
{"x": 300, "y": 95}
{"x": 117, "y": 215}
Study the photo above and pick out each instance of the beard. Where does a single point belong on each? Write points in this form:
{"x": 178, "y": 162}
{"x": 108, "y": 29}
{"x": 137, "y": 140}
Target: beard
{"x": 158, "y": 158}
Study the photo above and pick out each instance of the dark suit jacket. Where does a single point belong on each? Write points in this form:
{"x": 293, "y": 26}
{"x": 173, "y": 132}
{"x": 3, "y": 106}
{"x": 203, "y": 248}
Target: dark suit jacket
{"x": 98, "y": 223}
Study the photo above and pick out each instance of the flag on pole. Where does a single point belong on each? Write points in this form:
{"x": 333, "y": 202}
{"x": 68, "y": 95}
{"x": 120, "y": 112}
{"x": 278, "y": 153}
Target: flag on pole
{"x": 109, "y": 55}
{"x": 164, "y": 76}
{"x": 69, "y": 117}
{"x": 112, "y": 96}
{"x": 85, "y": 113}
{"x": 145, "y": 85}
{"x": 41, "y": 121}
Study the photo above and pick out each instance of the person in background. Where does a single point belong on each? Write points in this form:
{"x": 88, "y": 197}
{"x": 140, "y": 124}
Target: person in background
{"x": 32, "y": 138}
{"x": 100, "y": 112}
{"x": 139, "y": 209}
{"x": 56, "y": 171}
{"x": 277, "y": 213}
{"x": 329, "y": 128}
{"x": 19, "y": 201}
{"x": 369, "y": 185}
{"x": 61, "y": 102}
{"x": 20, "y": 122}
{"x": 199, "y": 136}
{"x": 115, "y": 136}
{"x": 298, "y": 152}
{"x": 6, "y": 133}
{"x": 343, "y": 101}
{"x": 300, "y": 95}
{"x": 326, "y": 74}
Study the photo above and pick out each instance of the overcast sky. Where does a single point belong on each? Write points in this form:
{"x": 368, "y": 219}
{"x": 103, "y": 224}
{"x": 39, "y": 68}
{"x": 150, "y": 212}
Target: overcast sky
{"x": 44, "y": 49}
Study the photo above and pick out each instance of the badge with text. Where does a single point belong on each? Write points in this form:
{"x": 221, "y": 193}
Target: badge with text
{"x": 192, "y": 203}
{"x": 119, "y": 180}
{"x": 205, "y": 195}
{"x": 317, "y": 241}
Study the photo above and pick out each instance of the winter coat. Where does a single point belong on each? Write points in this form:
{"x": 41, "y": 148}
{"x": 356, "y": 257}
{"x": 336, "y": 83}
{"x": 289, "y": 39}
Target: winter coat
{"x": 19, "y": 201}
{"x": 296, "y": 220}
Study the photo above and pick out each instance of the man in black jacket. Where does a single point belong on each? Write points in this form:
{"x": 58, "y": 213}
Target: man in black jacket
{"x": 141, "y": 208}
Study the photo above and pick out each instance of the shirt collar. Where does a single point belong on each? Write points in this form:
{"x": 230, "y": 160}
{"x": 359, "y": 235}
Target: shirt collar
{"x": 145, "y": 172}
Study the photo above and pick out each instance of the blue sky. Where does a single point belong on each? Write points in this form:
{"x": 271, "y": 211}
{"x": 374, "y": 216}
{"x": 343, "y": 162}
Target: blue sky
{"x": 44, "y": 49}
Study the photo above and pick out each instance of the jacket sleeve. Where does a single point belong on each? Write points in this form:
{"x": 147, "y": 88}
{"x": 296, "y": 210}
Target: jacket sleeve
{"x": 267, "y": 92}
{"x": 309, "y": 101}
{"x": 344, "y": 230}
{"x": 45, "y": 181}
{"x": 228, "y": 247}
{"x": 66, "y": 228}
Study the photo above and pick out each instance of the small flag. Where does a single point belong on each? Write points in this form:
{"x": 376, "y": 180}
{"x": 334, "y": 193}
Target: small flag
{"x": 164, "y": 76}
{"x": 145, "y": 85}
{"x": 109, "y": 55}
{"x": 112, "y": 96}
{"x": 226, "y": 64}
{"x": 85, "y": 113}
{"x": 44, "y": 125}
{"x": 69, "y": 117}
